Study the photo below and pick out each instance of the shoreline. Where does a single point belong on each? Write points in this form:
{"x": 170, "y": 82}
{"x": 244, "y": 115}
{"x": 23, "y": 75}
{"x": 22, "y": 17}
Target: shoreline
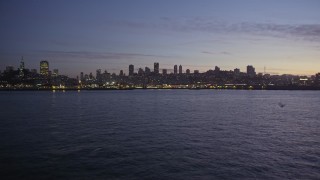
{"x": 291, "y": 88}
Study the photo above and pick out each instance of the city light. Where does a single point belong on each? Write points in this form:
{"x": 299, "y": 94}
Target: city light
{"x": 23, "y": 78}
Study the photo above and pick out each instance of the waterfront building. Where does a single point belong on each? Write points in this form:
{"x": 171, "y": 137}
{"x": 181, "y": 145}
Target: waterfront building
{"x": 131, "y": 70}
{"x": 9, "y": 68}
{"x": 55, "y": 72}
{"x": 251, "y": 72}
{"x": 91, "y": 76}
{"x": 175, "y": 69}
{"x": 236, "y": 72}
{"x": 86, "y": 77}
{"x": 140, "y": 72}
{"x": 317, "y": 79}
{"x": 105, "y": 76}
{"x": 180, "y": 69}
{"x": 44, "y": 68}
{"x": 81, "y": 76}
{"x": 21, "y": 73}
{"x": 34, "y": 71}
{"x": 147, "y": 70}
{"x": 164, "y": 71}
{"x": 98, "y": 75}
{"x": 156, "y": 68}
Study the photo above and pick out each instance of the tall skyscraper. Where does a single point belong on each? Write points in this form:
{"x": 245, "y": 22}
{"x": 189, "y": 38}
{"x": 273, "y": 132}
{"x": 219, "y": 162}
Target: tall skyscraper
{"x": 44, "y": 68}
{"x": 105, "y": 76}
{"x": 175, "y": 69}
{"x": 251, "y": 72}
{"x": 98, "y": 75}
{"x": 21, "y": 68}
{"x": 180, "y": 69}
{"x": 91, "y": 76}
{"x": 81, "y": 76}
{"x": 22, "y": 63}
{"x": 86, "y": 77}
{"x": 156, "y": 68}
{"x": 131, "y": 70}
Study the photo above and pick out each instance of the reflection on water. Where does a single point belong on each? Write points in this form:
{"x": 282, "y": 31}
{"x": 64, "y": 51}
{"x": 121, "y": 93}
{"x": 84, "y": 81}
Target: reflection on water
{"x": 163, "y": 134}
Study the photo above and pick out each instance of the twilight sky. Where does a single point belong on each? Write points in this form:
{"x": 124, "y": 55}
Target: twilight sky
{"x": 78, "y": 35}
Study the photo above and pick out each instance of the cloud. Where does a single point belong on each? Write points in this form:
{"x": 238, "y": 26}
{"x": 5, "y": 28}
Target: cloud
{"x": 100, "y": 55}
{"x": 207, "y": 52}
{"x": 215, "y": 53}
{"x": 308, "y": 32}
{"x": 225, "y": 53}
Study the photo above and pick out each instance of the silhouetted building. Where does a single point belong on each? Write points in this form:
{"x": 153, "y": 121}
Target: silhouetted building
{"x": 91, "y": 76}
{"x": 131, "y": 70}
{"x": 34, "y": 71}
{"x": 216, "y": 69}
{"x": 105, "y": 76}
{"x": 147, "y": 70}
{"x": 146, "y": 79}
{"x": 55, "y": 72}
{"x": 175, "y": 69}
{"x": 156, "y": 68}
{"x": 164, "y": 71}
{"x": 98, "y": 75}
{"x": 44, "y": 68}
{"x": 317, "y": 79}
{"x": 140, "y": 72}
{"x": 9, "y": 68}
{"x": 21, "y": 68}
{"x": 236, "y": 72}
{"x": 81, "y": 76}
{"x": 22, "y": 63}
{"x": 251, "y": 72}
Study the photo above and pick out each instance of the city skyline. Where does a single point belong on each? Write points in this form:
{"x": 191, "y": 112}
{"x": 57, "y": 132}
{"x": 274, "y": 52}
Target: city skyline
{"x": 82, "y": 37}
{"x": 23, "y": 78}
{"x": 44, "y": 69}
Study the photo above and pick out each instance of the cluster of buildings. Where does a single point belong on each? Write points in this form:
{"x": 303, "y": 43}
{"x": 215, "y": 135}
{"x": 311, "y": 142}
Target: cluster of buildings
{"x": 24, "y": 78}
{"x": 215, "y": 78}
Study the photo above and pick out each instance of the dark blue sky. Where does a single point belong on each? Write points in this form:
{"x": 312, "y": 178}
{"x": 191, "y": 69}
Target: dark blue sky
{"x": 75, "y": 35}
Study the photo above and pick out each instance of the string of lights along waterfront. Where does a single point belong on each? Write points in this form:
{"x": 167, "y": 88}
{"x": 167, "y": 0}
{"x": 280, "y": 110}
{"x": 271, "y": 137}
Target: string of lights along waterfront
{"x": 24, "y": 78}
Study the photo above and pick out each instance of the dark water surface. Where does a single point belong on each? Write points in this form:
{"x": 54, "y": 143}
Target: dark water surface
{"x": 160, "y": 134}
